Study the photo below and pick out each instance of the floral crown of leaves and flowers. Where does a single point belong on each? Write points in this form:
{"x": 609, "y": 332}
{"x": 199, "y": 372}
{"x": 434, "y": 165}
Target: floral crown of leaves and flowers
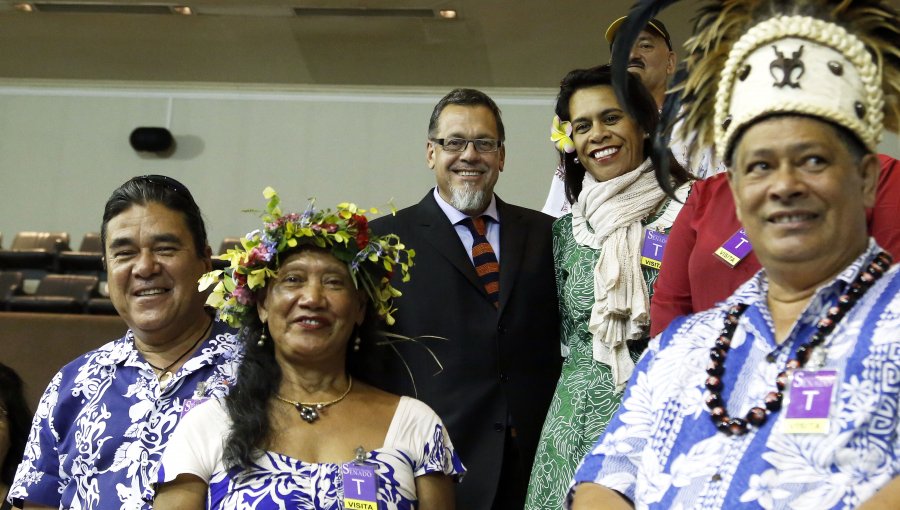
{"x": 373, "y": 260}
{"x": 561, "y": 135}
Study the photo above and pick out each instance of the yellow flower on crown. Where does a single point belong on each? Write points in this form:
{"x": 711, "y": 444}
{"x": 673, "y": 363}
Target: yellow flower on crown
{"x": 560, "y": 135}
{"x": 373, "y": 260}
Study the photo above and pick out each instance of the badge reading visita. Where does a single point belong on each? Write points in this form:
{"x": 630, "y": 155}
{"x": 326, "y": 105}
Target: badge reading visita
{"x": 360, "y": 486}
{"x": 735, "y": 248}
{"x": 809, "y": 402}
{"x": 652, "y": 249}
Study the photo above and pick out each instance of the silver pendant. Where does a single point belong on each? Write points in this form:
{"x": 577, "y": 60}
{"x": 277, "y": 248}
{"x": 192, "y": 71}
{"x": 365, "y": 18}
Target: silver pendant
{"x": 308, "y": 413}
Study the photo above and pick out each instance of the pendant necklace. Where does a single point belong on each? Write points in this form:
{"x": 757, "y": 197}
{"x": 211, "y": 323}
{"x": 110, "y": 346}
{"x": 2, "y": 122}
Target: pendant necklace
{"x": 310, "y": 412}
{"x": 758, "y": 415}
{"x": 165, "y": 376}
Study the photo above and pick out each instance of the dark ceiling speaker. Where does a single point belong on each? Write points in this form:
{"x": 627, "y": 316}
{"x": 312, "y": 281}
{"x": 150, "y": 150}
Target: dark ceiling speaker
{"x": 151, "y": 139}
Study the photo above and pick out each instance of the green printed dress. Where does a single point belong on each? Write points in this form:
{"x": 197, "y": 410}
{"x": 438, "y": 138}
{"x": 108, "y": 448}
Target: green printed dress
{"x": 585, "y": 398}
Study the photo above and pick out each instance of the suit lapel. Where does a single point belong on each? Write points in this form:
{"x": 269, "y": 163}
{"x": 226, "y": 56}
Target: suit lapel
{"x": 513, "y": 242}
{"x": 436, "y": 229}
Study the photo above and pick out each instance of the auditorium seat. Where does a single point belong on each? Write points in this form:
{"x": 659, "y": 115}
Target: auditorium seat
{"x": 10, "y": 285}
{"x": 100, "y": 305}
{"x": 59, "y": 293}
{"x": 34, "y": 251}
{"x": 88, "y": 258}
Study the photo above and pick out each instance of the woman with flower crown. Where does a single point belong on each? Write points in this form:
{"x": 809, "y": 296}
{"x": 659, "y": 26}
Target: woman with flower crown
{"x": 298, "y": 430}
{"x": 607, "y": 253}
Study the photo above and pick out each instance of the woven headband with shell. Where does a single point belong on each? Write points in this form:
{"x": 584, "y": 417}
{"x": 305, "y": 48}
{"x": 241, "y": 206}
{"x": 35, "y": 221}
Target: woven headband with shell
{"x": 838, "y": 60}
{"x": 800, "y": 65}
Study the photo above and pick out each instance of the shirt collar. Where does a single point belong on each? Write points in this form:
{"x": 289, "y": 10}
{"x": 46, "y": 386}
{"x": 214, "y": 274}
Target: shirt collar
{"x": 455, "y": 216}
{"x": 119, "y": 351}
{"x": 754, "y": 291}
{"x": 123, "y": 350}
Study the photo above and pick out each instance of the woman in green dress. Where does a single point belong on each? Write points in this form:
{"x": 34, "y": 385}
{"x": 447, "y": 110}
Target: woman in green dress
{"x": 607, "y": 253}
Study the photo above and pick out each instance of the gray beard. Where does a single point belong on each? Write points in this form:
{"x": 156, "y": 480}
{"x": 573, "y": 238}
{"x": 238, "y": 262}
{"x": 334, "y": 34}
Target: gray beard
{"x": 468, "y": 200}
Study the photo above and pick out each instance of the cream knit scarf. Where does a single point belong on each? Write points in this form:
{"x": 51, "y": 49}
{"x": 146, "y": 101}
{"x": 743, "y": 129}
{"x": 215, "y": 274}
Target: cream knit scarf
{"x": 607, "y": 217}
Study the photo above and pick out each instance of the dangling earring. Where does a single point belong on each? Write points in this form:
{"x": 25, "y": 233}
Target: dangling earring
{"x": 263, "y": 336}
{"x": 356, "y": 343}
{"x": 576, "y": 160}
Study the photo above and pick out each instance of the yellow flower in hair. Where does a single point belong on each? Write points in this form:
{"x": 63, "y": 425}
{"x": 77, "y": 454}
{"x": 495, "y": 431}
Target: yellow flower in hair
{"x": 560, "y": 135}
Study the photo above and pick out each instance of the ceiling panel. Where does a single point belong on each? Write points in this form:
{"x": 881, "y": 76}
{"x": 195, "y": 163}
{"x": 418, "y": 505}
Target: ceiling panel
{"x": 522, "y": 43}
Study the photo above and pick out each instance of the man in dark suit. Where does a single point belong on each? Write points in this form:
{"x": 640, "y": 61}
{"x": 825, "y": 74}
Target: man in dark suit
{"x": 500, "y": 354}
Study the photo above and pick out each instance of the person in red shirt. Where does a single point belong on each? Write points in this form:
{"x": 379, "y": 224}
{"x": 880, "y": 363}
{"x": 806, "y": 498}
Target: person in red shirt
{"x": 693, "y": 278}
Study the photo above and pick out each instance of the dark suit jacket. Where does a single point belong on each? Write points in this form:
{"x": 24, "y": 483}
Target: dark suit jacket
{"x": 500, "y": 367}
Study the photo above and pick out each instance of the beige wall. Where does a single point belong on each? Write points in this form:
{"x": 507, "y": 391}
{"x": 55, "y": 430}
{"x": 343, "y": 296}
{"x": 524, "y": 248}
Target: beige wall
{"x": 64, "y": 148}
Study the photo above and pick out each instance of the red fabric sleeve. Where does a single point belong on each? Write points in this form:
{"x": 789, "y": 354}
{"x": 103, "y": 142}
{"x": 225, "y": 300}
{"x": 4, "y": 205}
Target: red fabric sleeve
{"x": 884, "y": 218}
{"x": 692, "y": 277}
{"x": 672, "y": 291}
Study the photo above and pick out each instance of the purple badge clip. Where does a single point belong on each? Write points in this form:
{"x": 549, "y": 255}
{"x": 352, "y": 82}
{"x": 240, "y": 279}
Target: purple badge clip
{"x": 360, "y": 483}
{"x": 809, "y": 401}
{"x": 652, "y": 249}
{"x": 735, "y": 248}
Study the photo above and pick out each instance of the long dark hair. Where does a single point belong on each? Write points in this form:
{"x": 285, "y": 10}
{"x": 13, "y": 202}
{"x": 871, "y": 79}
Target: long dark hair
{"x": 18, "y": 416}
{"x": 259, "y": 377}
{"x": 646, "y": 115}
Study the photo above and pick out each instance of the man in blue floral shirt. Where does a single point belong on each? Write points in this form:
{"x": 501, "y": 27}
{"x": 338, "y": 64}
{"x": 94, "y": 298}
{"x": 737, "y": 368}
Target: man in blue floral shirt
{"x": 103, "y": 422}
{"x": 786, "y": 395}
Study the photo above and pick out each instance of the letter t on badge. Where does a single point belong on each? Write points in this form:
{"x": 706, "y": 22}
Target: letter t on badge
{"x": 735, "y": 248}
{"x": 809, "y": 402}
{"x": 652, "y": 248}
{"x": 360, "y": 484}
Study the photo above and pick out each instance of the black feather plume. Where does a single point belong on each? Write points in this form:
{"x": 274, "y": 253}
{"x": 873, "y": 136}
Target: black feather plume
{"x": 627, "y": 34}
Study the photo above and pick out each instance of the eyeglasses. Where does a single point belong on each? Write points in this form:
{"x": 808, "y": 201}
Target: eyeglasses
{"x": 460, "y": 144}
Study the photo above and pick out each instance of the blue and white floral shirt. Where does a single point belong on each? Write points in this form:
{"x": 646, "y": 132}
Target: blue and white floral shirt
{"x": 102, "y": 424}
{"x": 662, "y": 450}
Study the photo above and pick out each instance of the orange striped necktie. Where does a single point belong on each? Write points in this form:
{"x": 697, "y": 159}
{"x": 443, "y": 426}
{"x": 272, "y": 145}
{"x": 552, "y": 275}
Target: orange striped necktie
{"x": 485, "y": 260}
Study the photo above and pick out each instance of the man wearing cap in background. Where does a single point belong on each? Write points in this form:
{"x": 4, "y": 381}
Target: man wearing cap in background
{"x": 652, "y": 58}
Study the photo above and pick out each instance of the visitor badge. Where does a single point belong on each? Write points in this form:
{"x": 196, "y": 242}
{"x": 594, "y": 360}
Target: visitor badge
{"x": 735, "y": 248}
{"x": 360, "y": 483}
{"x": 190, "y": 404}
{"x": 652, "y": 249}
{"x": 809, "y": 401}
{"x": 196, "y": 400}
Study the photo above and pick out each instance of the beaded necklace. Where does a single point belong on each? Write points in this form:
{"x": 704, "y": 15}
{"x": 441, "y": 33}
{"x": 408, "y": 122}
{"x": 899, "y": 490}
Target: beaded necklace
{"x": 758, "y": 415}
